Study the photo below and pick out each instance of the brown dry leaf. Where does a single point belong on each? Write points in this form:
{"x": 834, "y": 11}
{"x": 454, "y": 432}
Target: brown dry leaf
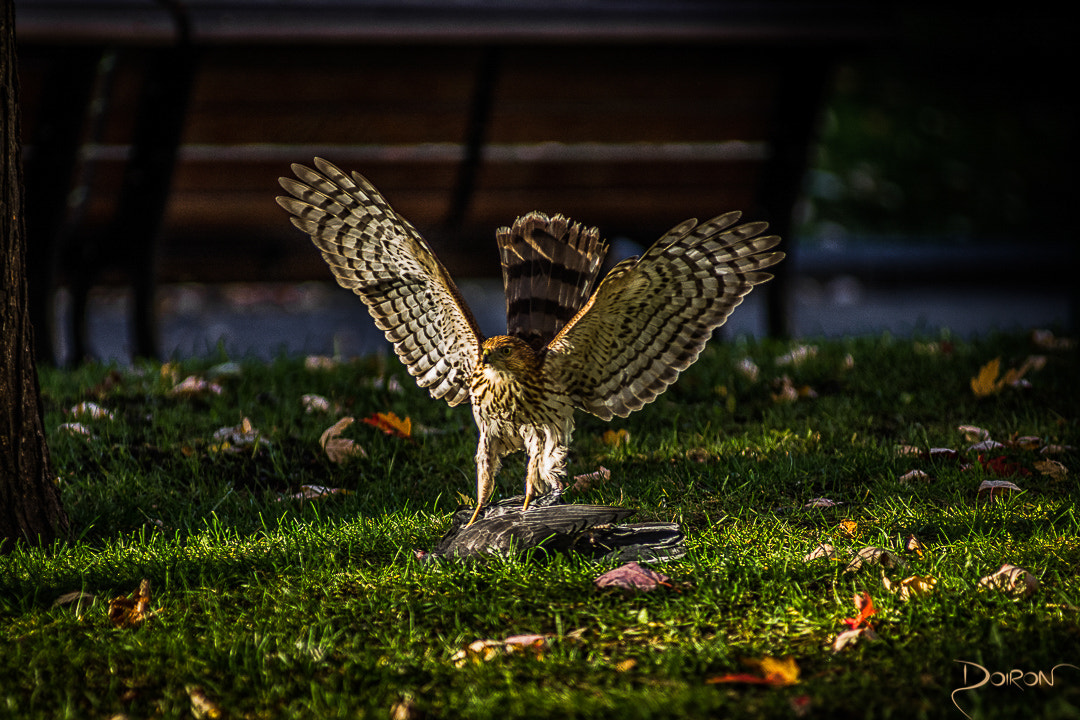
{"x": 1045, "y": 340}
{"x": 586, "y": 481}
{"x": 319, "y": 362}
{"x": 87, "y": 410}
{"x": 340, "y": 449}
{"x": 1052, "y": 468}
{"x": 915, "y": 476}
{"x": 824, "y": 550}
{"x": 874, "y": 555}
{"x": 797, "y": 356}
{"x": 75, "y": 429}
{"x": 913, "y": 544}
{"x": 821, "y": 503}
{"x": 615, "y": 438}
{"x": 910, "y": 587}
{"x": 1011, "y": 579}
{"x": 238, "y": 438}
{"x": 391, "y": 424}
{"x": 786, "y": 392}
{"x": 479, "y": 651}
{"x": 994, "y": 489}
{"x": 405, "y": 709}
{"x": 193, "y": 385}
{"x": 1027, "y": 442}
{"x": 748, "y": 369}
{"x": 909, "y": 450}
{"x": 985, "y": 446}
{"x": 313, "y": 492}
{"x": 849, "y": 637}
{"x": 76, "y": 597}
{"x": 202, "y": 707}
{"x": 131, "y": 611}
{"x": 973, "y": 433}
{"x": 316, "y": 403}
{"x": 632, "y": 576}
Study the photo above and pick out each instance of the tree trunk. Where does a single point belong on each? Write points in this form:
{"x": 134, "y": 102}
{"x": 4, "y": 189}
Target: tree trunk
{"x": 30, "y": 508}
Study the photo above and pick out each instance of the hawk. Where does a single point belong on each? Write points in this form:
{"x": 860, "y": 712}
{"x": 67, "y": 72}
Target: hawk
{"x": 606, "y": 352}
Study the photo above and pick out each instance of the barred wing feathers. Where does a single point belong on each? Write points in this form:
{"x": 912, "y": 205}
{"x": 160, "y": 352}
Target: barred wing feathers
{"x": 651, "y": 316}
{"x": 380, "y": 256}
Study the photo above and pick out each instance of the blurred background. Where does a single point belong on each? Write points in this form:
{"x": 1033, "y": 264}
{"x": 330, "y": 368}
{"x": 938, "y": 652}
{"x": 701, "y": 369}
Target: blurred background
{"x": 918, "y": 161}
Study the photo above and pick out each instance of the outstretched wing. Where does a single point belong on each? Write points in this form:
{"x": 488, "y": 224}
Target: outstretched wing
{"x": 381, "y": 257}
{"x": 651, "y": 316}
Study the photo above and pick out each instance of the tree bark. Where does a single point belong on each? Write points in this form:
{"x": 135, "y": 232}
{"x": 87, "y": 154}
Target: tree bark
{"x": 30, "y": 508}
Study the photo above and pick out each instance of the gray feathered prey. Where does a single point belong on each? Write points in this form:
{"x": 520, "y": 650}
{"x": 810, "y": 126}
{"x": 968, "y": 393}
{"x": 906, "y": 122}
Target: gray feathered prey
{"x": 549, "y": 525}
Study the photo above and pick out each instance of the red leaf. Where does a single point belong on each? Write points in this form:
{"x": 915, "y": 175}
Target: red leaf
{"x": 391, "y": 424}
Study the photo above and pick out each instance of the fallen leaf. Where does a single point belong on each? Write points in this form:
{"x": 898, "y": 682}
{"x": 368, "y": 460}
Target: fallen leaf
{"x": 973, "y": 433}
{"x": 986, "y": 381}
{"x": 625, "y": 665}
{"x": 391, "y": 424}
{"x": 994, "y": 489}
{"x": 315, "y": 403}
{"x": 915, "y": 476}
{"x": 913, "y": 544}
{"x": 776, "y": 672}
{"x": 748, "y": 369}
{"x": 821, "y": 503}
{"x": 797, "y": 356}
{"x": 194, "y": 385}
{"x": 615, "y": 438}
{"x": 848, "y": 527}
{"x": 1026, "y": 442}
{"x": 319, "y": 362}
{"x": 910, "y": 587}
{"x": 1012, "y": 580}
{"x": 405, "y": 709}
{"x": 849, "y": 637}
{"x": 337, "y": 448}
{"x": 131, "y": 611}
{"x": 75, "y": 429}
{"x": 313, "y": 492}
{"x": 786, "y": 391}
{"x": 874, "y": 555}
{"x": 78, "y": 597}
{"x": 824, "y": 550}
{"x": 1052, "y": 468}
{"x": 91, "y": 411}
{"x": 479, "y": 651}
{"x": 865, "y": 605}
{"x": 632, "y": 576}
{"x": 584, "y": 482}
{"x": 238, "y": 438}
{"x": 1002, "y": 466}
{"x": 1045, "y": 339}
{"x": 202, "y": 707}
{"x": 985, "y": 446}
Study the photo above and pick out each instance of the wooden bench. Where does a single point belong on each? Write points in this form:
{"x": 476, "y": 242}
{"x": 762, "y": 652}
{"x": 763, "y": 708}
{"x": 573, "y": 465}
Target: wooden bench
{"x": 156, "y": 131}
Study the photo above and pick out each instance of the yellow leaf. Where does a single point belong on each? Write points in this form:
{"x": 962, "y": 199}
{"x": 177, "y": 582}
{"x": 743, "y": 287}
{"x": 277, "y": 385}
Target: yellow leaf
{"x": 911, "y": 586}
{"x": 986, "y": 382}
{"x": 616, "y": 437}
{"x": 391, "y": 424}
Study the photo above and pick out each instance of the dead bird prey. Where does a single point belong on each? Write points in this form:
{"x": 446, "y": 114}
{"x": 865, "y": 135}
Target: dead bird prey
{"x": 505, "y": 528}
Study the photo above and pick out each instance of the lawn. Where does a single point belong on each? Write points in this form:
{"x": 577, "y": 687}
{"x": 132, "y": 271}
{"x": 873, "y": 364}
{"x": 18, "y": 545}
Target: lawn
{"x": 265, "y": 605}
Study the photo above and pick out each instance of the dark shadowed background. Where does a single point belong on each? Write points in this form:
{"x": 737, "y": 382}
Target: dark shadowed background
{"x": 918, "y": 161}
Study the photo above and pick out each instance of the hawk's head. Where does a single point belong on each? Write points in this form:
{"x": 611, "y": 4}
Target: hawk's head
{"x": 509, "y": 355}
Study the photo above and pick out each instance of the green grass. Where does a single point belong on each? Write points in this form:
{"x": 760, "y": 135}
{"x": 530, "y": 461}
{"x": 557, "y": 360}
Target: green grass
{"x": 319, "y": 609}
